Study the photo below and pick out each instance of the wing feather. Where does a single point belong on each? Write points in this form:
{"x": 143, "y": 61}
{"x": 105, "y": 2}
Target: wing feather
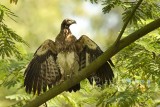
{"x": 30, "y": 76}
{"x": 88, "y": 52}
{"x": 42, "y": 71}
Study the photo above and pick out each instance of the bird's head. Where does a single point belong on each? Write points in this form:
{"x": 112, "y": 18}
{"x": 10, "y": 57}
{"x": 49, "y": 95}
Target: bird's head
{"x": 67, "y": 22}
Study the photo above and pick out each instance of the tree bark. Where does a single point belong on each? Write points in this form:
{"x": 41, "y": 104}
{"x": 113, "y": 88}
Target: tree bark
{"x": 94, "y": 65}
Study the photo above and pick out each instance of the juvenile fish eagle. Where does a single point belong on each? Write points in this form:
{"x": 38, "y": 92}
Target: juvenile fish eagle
{"x": 54, "y": 62}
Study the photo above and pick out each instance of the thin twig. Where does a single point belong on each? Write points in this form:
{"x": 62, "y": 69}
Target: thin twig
{"x": 126, "y": 23}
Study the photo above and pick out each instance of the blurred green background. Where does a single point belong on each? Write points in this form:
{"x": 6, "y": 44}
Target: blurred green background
{"x": 40, "y": 20}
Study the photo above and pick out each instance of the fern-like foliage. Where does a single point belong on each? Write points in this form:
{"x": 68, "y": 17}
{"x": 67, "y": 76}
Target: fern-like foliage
{"x": 11, "y": 78}
{"x": 8, "y": 38}
{"x": 109, "y": 4}
{"x": 94, "y": 1}
{"x": 149, "y": 9}
{"x": 142, "y": 13}
{"x": 14, "y": 1}
{"x": 20, "y": 99}
{"x": 143, "y": 58}
{"x": 12, "y": 71}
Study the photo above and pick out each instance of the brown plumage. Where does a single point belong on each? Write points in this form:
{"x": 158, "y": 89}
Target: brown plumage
{"x": 54, "y": 62}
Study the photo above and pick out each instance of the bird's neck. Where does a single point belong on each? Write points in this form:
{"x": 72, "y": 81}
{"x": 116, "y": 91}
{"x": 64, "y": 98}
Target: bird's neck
{"x": 65, "y": 40}
{"x": 65, "y": 31}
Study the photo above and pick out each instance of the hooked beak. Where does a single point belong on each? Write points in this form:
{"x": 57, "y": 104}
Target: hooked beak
{"x": 72, "y": 22}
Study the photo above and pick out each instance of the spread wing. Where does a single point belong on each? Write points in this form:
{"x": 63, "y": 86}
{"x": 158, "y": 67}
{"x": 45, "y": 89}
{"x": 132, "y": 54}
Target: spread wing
{"x": 88, "y": 52}
{"x": 42, "y": 71}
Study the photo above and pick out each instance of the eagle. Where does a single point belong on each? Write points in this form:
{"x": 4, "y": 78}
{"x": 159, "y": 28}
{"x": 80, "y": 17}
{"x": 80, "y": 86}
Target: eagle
{"x": 56, "y": 61}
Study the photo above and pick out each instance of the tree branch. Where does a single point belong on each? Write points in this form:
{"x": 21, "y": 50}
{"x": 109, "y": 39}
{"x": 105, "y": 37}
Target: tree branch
{"x": 92, "y": 68}
{"x": 126, "y": 23}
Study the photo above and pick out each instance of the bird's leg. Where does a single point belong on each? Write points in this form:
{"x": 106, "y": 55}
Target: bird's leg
{"x": 63, "y": 75}
{"x": 45, "y": 104}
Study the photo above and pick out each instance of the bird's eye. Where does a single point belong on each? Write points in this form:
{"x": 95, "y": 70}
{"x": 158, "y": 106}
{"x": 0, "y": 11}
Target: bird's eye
{"x": 69, "y": 21}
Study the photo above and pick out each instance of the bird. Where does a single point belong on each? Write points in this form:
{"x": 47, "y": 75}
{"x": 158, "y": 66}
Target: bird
{"x": 56, "y": 61}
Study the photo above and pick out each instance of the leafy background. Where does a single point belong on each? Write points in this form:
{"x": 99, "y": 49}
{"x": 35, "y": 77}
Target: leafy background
{"x": 137, "y": 67}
